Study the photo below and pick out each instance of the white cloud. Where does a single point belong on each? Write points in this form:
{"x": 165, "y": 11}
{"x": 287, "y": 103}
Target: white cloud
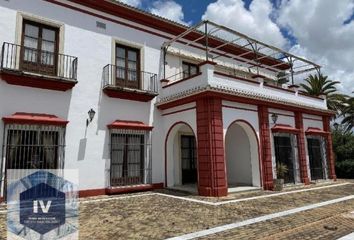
{"x": 322, "y": 36}
{"x": 134, "y": 3}
{"x": 317, "y": 25}
{"x": 255, "y": 22}
{"x": 168, "y": 9}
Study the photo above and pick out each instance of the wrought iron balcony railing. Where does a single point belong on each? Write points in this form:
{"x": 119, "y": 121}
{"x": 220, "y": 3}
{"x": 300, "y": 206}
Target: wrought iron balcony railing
{"x": 19, "y": 58}
{"x": 115, "y": 76}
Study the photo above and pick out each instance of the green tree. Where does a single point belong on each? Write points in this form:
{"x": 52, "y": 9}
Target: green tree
{"x": 343, "y": 147}
{"x": 317, "y": 85}
{"x": 348, "y": 114}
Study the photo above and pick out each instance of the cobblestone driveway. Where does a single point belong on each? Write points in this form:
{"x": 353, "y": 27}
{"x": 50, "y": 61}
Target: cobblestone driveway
{"x": 152, "y": 216}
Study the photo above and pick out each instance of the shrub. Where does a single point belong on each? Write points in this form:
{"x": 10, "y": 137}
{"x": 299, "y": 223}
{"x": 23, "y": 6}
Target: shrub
{"x": 345, "y": 169}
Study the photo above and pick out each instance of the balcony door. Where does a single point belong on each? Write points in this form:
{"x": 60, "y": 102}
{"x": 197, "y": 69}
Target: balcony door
{"x": 127, "y": 67}
{"x": 284, "y": 154}
{"x": 315, "y": 158}
{"x": 189, "y": 159}
{"x": 39, "y": 49}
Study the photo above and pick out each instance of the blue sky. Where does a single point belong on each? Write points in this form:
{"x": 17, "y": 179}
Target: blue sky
{"x": 319, "y": 30}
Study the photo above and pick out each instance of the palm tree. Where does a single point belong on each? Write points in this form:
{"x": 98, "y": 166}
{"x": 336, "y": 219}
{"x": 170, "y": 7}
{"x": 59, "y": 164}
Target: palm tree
{"x": 348, "y": 114}
{"x": 317, "y": 85}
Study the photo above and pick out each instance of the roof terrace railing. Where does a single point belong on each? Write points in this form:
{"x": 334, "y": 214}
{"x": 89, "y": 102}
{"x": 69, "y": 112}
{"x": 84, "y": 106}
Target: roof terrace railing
{"x": 220, "y": 42}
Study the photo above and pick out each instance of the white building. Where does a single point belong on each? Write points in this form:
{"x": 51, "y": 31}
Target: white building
{"x": 174, "y": 105}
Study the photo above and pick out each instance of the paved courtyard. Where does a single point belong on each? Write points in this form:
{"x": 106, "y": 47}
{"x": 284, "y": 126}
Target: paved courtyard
{"x": 322, "y": 211}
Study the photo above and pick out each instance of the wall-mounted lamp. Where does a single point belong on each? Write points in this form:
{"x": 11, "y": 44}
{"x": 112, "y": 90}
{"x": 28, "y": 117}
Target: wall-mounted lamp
{"x": 274, "y": 118}
{"x": 91, "y": 115}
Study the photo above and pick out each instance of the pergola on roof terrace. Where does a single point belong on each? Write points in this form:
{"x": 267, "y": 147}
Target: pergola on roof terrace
{"x": 220, "y": 41}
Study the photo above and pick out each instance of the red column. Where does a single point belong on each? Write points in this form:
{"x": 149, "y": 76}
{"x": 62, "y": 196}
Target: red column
{"x": 211, "y": 161}
{"x": 266, "y": 152}
{"x": 301, "y": 148}
{"x": 330, "y": 155}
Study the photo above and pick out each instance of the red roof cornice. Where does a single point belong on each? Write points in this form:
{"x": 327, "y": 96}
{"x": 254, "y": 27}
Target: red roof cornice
{"x": 316, "y": 131}
{"x": 134, "y": 125}
{"x": 285, "y": 128}
{"x": 34, "y": 119}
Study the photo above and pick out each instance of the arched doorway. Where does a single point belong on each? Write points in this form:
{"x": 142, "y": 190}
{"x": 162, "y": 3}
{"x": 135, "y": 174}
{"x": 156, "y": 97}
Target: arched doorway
{"x": 181, "y": 156}
{"x": 242, "y": 155}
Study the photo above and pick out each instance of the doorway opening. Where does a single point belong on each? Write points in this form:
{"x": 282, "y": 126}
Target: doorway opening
{"x": 285, "y": 153}
{"x": 242, "y": 156}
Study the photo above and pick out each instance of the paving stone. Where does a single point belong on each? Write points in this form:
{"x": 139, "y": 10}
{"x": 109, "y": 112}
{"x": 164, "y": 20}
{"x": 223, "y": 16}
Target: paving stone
{"x": 159, "y": 217}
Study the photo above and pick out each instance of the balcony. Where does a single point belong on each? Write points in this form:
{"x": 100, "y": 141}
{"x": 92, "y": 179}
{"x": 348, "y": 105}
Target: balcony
{"x": 124, "y": 83}
{"x": 31, "y": 67}
{"x": 232, "y": 87}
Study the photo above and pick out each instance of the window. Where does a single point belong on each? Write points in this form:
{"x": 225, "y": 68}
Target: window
{"x": 127, "y": 66}
{"x": 40, "y": 48}
{"x": 130, "y": 158}
{"x": 34, "y": 147}
{"x": 189, "y": 69}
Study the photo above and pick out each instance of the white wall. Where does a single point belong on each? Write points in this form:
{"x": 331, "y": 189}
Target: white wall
{"x": 89, "y": 153}
{"x": 238, "y": 156}
{"x": 312, "y": 121}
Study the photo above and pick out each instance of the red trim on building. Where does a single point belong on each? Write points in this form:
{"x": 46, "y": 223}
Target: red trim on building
{"x": 207, "y": 62}
{"x": 118, "y": 190}
{"x": 134, "y": 188}
{"x": 330, "y": 154}
{"x": 129, "y": 95}
{"x": 258, "y": 76}
{"x": 266, "y": 151}
{"x": 285, "y": 128}
{"x": 294, "y": 86}
{"x": 124, "y": 124}
{"x": 211, "y": 160}
{"x": 34, "y": 118}
{"x": 239, "y": 99}
{"x": 316, "y": 131}
{"x": 299, "y": 123}
{"x": 92, "y": 192}
{"x": 42, "y": 82}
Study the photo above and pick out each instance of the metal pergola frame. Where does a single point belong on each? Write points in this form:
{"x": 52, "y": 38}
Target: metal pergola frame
{"x": 252, "y": 53}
